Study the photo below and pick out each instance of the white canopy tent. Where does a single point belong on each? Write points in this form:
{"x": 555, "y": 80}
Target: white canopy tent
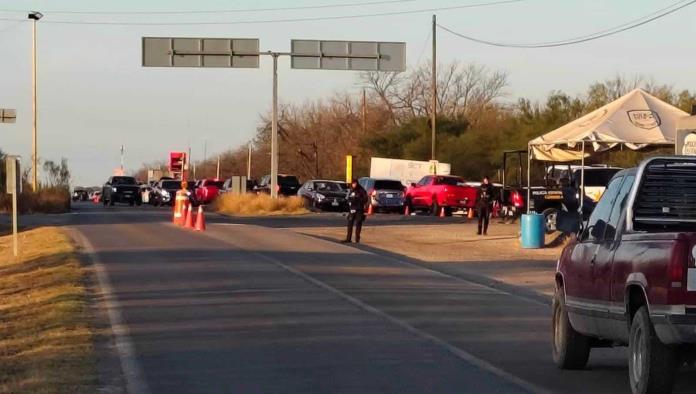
{"x": 635, "y": 120}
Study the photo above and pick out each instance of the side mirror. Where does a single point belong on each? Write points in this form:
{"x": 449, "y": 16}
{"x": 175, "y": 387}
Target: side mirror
{"x": 598, "y": 229}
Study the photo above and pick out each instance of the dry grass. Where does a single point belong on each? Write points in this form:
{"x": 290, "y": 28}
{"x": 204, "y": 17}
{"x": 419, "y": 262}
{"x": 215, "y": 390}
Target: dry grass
{"x": 261, "y": 205}
{"x": 45, "y": 200}
{"x": 45, "y": 336}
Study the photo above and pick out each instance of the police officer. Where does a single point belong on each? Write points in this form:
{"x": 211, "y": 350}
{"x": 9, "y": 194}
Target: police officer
{"x": 357, "y": 199}
{"x": 484, "y": 199}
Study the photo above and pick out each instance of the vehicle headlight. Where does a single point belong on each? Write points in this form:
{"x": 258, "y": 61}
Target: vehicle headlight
{"x": 320, "y": 196}
{"x": 113, "y": 189}
{"x": 165, "y": 193}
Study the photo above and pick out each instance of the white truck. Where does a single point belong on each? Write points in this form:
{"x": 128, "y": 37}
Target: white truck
{"x": 406, "y": 171}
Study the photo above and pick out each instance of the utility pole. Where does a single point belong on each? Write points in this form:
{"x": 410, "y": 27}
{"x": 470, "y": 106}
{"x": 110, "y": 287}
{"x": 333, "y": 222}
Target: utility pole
{"x": 217, "y": 173}
{"x": 433, "y": 112}
{"x": 316, "y": 159}
{"x": 122, "y": 173}
{"x": 364, "y": 112}
{"x": 274, "y": 130}
{"x": 249, "y": 162}
{"x": 34, "y": 16}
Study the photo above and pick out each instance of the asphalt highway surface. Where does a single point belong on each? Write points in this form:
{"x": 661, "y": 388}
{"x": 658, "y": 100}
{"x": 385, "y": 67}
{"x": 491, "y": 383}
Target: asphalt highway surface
{"x": 251, "y": 307}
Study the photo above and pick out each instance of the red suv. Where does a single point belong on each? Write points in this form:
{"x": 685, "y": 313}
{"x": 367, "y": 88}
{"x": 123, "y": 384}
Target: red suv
{"x": 629, "y": 278}
{"x": 207, "y": 190}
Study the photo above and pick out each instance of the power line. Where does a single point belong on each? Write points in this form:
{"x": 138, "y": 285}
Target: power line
{"x": 287, "y": 20}
{"x": 577, "y": 40}
{"x": 238, "y": 10}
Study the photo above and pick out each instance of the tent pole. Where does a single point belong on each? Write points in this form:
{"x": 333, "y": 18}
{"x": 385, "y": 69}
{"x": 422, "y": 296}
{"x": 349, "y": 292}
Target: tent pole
{"x": 582, "y": 177}
{"x": 529, "y": 177}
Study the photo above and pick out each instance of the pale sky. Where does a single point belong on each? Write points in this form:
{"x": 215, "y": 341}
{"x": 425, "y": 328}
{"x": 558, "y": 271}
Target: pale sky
{"x": 95, "y": 96}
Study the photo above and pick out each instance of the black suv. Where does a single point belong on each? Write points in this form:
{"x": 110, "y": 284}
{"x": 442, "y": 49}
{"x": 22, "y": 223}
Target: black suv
{"x": 287, "y": 185}
{"x": 123, "y": 189}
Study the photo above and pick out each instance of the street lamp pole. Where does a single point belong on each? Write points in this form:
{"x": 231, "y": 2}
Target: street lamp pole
{"x": 34, "y": 16}
{"x": 274, "y": 130}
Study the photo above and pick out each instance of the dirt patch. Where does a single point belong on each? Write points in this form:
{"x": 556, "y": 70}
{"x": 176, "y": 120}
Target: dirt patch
{"x": 249, "y": 204}
{"x": 455, "y": 247}
{"x": 45, "y": 335}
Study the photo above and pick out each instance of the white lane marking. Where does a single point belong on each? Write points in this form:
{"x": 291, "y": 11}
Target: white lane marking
{"x": 457, "y": 352}
{"x": 132, "y": 371}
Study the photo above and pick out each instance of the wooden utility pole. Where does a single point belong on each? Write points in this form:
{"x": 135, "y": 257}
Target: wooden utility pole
{"x": 217, "y": 173}
{"x": 364, "y": 112}
{"x": 34, "y": 16}
{"x": 433, "y": 82}
{"x": 249, "y": 162}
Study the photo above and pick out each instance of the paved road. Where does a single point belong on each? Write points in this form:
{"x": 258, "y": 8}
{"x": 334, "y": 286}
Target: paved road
{"x": 246, "y": 308}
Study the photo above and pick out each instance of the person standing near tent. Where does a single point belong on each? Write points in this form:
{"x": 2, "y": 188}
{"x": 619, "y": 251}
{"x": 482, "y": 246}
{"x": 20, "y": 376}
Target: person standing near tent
{"x": 484, "y": 199}
{"x": 357, "y": 199}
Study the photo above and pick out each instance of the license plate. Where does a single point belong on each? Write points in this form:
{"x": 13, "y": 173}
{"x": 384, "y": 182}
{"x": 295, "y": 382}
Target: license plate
{"x": 334, "y": 203}
{"x": 390, "y": 195}
{"x": 127, "y": 192}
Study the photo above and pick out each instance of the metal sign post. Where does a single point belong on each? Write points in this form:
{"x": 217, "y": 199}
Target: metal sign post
{"x": 244, "y": 53}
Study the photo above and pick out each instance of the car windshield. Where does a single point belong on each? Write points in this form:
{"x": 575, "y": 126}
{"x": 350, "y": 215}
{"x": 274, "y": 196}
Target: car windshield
{"x": 450, "y": 180}
{"x": 328, "y": 186}
{"x": 288, "y": 180}
{"x": 171, "y": 184}
{"x": 123, "y": 180}
{"x": 388, "y": 185}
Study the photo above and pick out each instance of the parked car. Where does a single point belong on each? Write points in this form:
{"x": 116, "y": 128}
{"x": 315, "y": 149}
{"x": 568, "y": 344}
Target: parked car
{"x": 164, "y": 192}
{"x": 80, "y": 195}
{"x": 384, "y": 194}
{"x": 435, "y": 192}
{"x": 629, "y": 279}
{"x": 96, "y": 196}
{"x": 207, "y": 190}
{"x": 121, "y": 189}
{"x": 325, "y": 195}
{"x": 287, "y": 185}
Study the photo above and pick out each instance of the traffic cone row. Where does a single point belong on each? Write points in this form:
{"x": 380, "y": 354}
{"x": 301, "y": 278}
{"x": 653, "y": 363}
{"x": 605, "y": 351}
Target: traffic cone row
{"x": 370, "y": 210}
{"x": 442, "y": 212}
{"x": 197, "y": 224}
{"x": 407, "y": 210}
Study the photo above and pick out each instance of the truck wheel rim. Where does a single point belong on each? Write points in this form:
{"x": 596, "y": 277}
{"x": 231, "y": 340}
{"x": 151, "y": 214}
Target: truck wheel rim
{"x": 551, "y": 222}
{"x": 557, "y": 329}
{"x": 637, "y": 355}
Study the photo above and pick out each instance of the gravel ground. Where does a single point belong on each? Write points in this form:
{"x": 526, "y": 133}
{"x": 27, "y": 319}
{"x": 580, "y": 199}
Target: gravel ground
{"x": 454, "y": 247}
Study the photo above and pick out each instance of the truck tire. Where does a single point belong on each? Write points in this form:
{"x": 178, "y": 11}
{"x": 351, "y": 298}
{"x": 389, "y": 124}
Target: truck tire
{"x": 570, "y": 349}
{"x": 652, "y": 365}
{"x": 550, "y": 217}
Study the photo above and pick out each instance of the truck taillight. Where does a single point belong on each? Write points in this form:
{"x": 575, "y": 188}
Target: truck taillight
{"x": 517, "y": 200}
{"x": 677, "y": 264}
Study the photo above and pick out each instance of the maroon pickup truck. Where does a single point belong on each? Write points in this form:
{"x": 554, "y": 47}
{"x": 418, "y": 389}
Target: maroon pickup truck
{"x": 629, "y": 278}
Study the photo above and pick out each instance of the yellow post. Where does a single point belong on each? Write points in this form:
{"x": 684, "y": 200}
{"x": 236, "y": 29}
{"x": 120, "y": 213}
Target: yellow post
{"x": 349, "y": 168}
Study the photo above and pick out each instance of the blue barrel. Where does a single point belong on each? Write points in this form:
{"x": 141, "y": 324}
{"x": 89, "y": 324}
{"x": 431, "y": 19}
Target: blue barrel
{"x": 533, "y": 231}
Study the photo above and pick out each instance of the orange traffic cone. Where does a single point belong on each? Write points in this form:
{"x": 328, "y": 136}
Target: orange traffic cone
{"x": 370, "y": 210}
{"x": 442, "y": 212}
{"x": 470, "y": 214}
{"x": 200, "y": 220}
{"x": 188, "y": 222}
{"x": 407, "y": 211}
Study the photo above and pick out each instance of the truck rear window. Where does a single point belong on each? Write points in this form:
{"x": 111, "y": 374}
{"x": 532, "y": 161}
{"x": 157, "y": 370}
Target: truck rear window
{"x": 123, "y": 180}
{"x": 596, "y": 177}
{"x": 666, "y": 195}
{"x": 388, "y": 185}
{"x": 450, "y": 180}
{"x": 288, "y": 180}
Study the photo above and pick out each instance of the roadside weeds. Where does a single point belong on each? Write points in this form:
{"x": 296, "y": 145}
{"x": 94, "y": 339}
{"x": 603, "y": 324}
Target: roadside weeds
{"x": 46, "y": 341}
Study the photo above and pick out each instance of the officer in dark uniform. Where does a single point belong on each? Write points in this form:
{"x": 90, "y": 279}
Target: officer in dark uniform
{"x": 484, "y": 199}
{"x": 357, "y": 199}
